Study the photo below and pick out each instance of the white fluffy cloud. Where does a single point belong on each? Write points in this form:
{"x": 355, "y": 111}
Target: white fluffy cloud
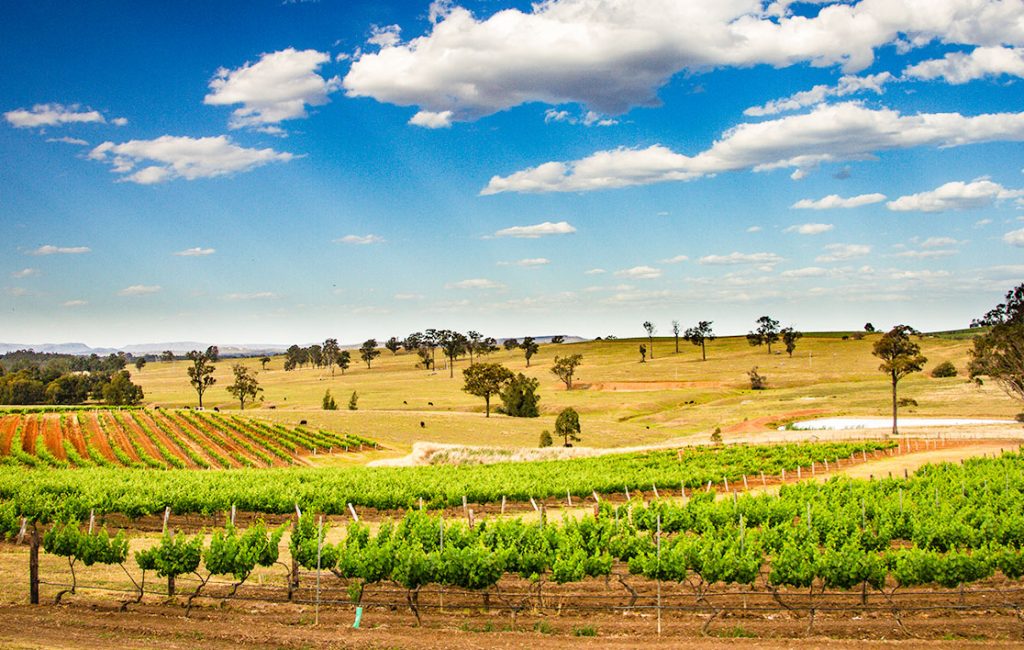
{"x": 432, "y": 119}
{"x": 675, "y": 260}
{"x": 51, "y": 115}
{"x": 527, "y": 262}
{"x": 474, "y": 283}
{"x": 555, "y": 52}
{"x": 811, "y": 228}
{"x": 182, "y": 157}
{"x": 847, "y": 85}
{"x": 829, "y": 133}
{"x": 957, "y": 195}
{"x": 735, "y": 258}
{"x": 640, "y": 273}
{"x": 50, "y": 249}
{"x": 833, "y": 201}
{"x": 842, "y": 252}
{"x": 537, "y": 230}
{"x": 278, "y": 87}
{"x": 140, "y": 290}
{"x": 360, "y": 240}
{"x": 1015, "y": 238}
{"x": 961, "y": 67}
{"x": 196, "y": 252}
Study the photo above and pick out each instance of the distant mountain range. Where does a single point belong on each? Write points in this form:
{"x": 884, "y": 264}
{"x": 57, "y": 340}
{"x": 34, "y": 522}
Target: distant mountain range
{"x": 182, "y": 347}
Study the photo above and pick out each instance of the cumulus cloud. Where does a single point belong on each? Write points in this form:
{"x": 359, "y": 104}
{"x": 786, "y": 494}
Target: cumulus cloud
{"x": 474, "y": 283}
{"x": 432, "y": 119}
{"x": 52, "y": 115}
{"x": 640, "y": 273}
{"x": 171, "y": 157}
{"x": 957, "y": 195}
{"x": 833, "y": 201}
{"x": 675, "y": 260}
{"x": 735, "y": 258}
{"x": 387, "y": 36}
{"x": 140, "y": 290}
{"x": 50, "y": 249}
{"x": 24, "y": 273}
{"x": 196, "y": 252}
{"x": 829, "y": 133}
{"x": 842, "y": 252}
{"x": 847, "y": 85}
{"x": 590, "y": 118}
{"x": 810, "y": 228}
{"x": 278, "y": 87}
{"x": 360, "y": 240}
{"x": 613, "y": 55}
{"x": 1015, "y": 238}
{"x": 527, "y": 262}
{"x": 537, "y": 230}
{"x": 962, "y": 67}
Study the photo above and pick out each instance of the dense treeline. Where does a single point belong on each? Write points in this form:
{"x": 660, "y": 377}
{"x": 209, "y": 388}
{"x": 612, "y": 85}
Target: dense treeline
{"x": 28, "y": 377}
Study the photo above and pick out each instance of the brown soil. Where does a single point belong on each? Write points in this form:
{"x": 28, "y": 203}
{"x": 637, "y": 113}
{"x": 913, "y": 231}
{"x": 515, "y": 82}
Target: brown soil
{"x": 646, "y": 386}
{"x": 29, "y": 433}
{"x": 53, "y": 436}
{"x": 174, "y": 446}
{"x": 97, "y": 438}
{"x": 762, "y": 423}
{"x": 132, "y": 428}
{"x": 118, "y": 436}
{"x": 73, "y": 433}
{"x": 221, "y": 445}
{"x": 8, "y": 425}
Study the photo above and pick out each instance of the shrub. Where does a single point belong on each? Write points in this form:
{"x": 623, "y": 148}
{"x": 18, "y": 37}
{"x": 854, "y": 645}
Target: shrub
{"x": 329, "y": 403}
{"x": 757, "y": 380}
{"x": 944, "y": 369}
{"x": 1019, "y": 417}
{"x": 857, "y": 336}
{"x": 519, "y": 397}
{"x": 907, "y": 401}
{"x": 716, "y": 436}
{"x": 353, "y": 402}
{"x": 545, "y": 439}
{"x": 587, "y": 630}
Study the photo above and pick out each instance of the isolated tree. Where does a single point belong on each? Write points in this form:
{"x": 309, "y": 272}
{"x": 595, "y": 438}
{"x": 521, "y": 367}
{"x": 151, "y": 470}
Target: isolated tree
{"x": 568, "y": 426}
{"x": 140, "y": 363}
{"x": 900, "y": 356}
{"x": 790, "y": 336}
{"x": 393, "y": 344}
{"x": 264, "y": 360}
{"x": 353, "y": 401}
{"x": 565, "y": 367}
{"x": 484, "y": 380}
{"x": 368, "y": 351}
{"x": 330, "y": 350}
{"x": 557, "y": 340}
{"x": 200, "y": 373}
{"x": 167, "y": 355}
{"x": 700, "y": 334}
{"x": 121, "y": 391}
{"x": 245, "y": 387}
{"x": 511, "y": 344}
{"x": 453, "y": 345}
{"x": 999, "y": 353}
{"x": 519, "y": 397}
{"x": 650, "y": 329}
{"x": 767, "y": 332}
{"x": 530, "y": 348}
{"x": 675, "y": 333}
{"x": 343, "y": 360}
{"x": 328, "y": 402}
{"x": 869, "y": 328}
{"x": 545, "y": 439}
{"x": 643, "y": 353}
{"x": 213, "y": 354}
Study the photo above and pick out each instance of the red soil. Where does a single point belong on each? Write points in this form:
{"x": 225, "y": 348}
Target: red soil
{"x": 131, "y": 428}
{"x": 8, "y": 425}
{"x": 73, "y": 433}
{"x": 183, "y": 425}
{"x": 118, "y": 436}
{"x": 53, "y": 436}
{"x": 95, "y": 436}
{"x": 760, "y": 424}
{"x": 29, "y": 433}
{"x": 165, "y": 440}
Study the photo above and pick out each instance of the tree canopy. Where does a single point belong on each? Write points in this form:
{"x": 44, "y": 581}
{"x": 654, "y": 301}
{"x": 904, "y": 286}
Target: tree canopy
{"x": 565, "y": 367}
{"x": 200, "y": 373}
{"x": 900, "y": 357}
{"x": 999, "y": 352}
{"x": 245, "y": 387}
{"x": 484, "y": 380}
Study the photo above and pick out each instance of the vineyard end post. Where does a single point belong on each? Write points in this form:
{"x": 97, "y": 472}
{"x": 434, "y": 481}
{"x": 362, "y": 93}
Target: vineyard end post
{"x": 33, "y": 566}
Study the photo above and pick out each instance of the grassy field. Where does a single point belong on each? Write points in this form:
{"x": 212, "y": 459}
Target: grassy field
{"x": 621, "y": 401}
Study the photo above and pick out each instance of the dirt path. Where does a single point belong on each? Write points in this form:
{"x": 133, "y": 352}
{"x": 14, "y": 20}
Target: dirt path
{"x": 762, "y": 423}
{"x": 909, "y": 463}
{"x": 8, "y": 425}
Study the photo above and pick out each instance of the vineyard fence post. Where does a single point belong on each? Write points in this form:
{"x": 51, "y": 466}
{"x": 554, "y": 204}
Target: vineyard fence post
{"x": 319, "y": 548}
{"x": 33, "y": 566}
{"x": 659, "y": 575}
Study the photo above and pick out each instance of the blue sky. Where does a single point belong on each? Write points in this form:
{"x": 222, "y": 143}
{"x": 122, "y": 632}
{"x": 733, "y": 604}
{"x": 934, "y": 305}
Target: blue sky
{"x": 277, "y": 172}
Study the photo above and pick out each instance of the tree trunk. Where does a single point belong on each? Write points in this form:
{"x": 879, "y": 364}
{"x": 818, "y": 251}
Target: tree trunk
{"x": 170, "y": 586}
{"x": 33, "y": 566}
{"x": 677, "y": 344}
{"x": 703, "y": 351}
{"x": 650, "y": 340}
{"x": 895, "y": 432}
{"x": 487, "y": 401}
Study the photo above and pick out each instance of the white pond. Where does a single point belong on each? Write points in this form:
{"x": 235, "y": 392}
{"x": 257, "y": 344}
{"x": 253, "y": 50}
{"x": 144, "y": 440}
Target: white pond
{"x": 839, "y": 424}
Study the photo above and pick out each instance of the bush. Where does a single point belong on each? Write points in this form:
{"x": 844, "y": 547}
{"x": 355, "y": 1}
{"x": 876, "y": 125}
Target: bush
{"x": 907, "y": 401}
{"x": 545, "y": 439}
{"x": 944, "y": 369}
{"x": 757, "y": 380}
{"x": 519, "y": 397}
{"x": 1019, "y": 417}
{"x": 353, "y": 402}
{"x": 716, "y": 436}
{"x": 329, "y": 403}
